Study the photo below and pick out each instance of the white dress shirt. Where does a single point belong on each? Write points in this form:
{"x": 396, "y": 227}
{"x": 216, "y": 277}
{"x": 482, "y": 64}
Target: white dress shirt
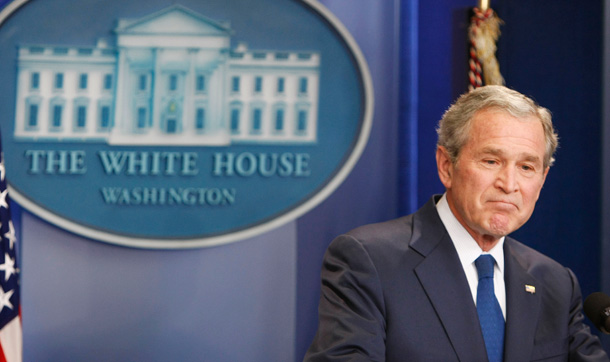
{"x": 468, "y": 251}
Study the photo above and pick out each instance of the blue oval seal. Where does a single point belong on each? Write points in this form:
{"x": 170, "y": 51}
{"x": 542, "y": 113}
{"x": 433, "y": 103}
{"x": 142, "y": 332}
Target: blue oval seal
{"x": 163, "y": 124}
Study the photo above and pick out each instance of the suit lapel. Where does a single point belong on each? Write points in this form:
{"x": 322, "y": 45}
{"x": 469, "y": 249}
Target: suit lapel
{"x": 442, "y": 277}
{"x": 522, "y": 307}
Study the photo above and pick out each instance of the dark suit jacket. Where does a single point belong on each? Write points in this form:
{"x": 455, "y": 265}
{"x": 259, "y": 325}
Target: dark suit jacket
{"x": 396, "y": 291}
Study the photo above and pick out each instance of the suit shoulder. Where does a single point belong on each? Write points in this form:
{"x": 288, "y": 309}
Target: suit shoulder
{"x": 535, "y": 262}
{"x": 384, "y": 232}
{"x": 379, "y": 241}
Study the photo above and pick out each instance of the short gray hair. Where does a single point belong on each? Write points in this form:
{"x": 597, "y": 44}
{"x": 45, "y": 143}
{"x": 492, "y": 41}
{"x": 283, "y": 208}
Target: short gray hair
{"x": 454, "y": 128}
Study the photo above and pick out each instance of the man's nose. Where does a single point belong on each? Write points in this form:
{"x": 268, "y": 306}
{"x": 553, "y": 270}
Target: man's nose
{"x": 506, "y": 179}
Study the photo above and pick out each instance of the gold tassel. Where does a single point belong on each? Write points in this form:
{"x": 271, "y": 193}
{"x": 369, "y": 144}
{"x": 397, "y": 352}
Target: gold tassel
{"x": 484, "y": 32}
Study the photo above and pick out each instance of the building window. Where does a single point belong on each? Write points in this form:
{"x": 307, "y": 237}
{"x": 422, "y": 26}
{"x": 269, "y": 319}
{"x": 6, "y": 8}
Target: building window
{"x": 56, "y": 113}
{"x": 80, "y": 109}
{"x": 60, "y": 51}
{"x": 257, "y": 115}
{"x": 104, "y": 120}
{"x": 173, "y": 82}
{"x": 81, "y": 116}
{"x": 279, "y": 119}
{"x": 200, "y": 83}
{"x": 108, "y": 82}
{"x": 35, "y": 80}
{"x": 142, "y": 82}
{"x": 82, "y": 81}
{"x": 200, "y": 119}
{"x": 59, "y": 81}
{"x": 258, "y": 84}
{"x": 141, "y": 117}
{"x": 33, "y": 115}
{"x": 36, "y": 50}
{"x": 235, "y": 84}
{"x": 235, "y": 120}
{"x": 280, "y": 85}
{"x": 303, "y": 85}
{"x": 171, "y": 117}
{"x": 56, "y": 116}
{"x": 301, "y": 121}
{"x": 172, "y": 125}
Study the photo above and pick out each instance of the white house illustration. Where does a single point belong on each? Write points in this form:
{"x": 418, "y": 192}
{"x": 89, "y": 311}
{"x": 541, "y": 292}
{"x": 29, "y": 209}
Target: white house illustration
{"x": 172, "y": 79}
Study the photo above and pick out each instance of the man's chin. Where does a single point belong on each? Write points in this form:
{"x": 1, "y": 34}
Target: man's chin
{"x": 500, "y": 226}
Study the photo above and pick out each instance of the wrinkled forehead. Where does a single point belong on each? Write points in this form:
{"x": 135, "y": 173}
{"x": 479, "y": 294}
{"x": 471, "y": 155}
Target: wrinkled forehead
{"x": 497, "y": 125}
{"x": 489, "y": 118}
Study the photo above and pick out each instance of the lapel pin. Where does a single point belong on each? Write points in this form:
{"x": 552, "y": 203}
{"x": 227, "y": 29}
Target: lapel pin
{"x": 530, "y": 289}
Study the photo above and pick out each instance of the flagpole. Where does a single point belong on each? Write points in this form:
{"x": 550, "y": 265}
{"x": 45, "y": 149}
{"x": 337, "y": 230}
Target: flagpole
{"x": 483, "y": 5}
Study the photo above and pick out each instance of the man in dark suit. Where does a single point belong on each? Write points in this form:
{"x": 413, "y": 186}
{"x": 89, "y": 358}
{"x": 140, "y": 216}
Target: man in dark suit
{"x": 415, "y": 289}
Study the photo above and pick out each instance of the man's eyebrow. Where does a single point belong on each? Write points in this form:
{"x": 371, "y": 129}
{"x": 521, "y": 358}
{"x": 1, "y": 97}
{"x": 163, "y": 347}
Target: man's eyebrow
{"x": 498, "y": 152}
{"x": 532, "y": 158}
{"x": 492, "y": 151}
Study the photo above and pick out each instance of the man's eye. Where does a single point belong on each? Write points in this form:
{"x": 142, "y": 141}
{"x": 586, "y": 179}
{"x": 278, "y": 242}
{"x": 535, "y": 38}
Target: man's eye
{"x": 527, "y": 168}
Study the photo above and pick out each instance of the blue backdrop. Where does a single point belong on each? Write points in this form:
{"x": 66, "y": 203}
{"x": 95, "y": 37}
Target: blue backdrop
{"x": 256, "y": 300}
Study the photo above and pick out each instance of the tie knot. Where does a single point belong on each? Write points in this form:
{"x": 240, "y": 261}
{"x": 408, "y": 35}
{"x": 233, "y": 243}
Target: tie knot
{"x": 485, "y": 266}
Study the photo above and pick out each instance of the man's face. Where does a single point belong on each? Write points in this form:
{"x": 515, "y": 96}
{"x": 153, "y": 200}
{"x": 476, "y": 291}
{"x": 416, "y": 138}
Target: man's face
{"x": 494, "y": 185}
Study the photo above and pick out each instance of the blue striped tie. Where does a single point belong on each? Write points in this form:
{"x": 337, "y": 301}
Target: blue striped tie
{"x": 488, "y": 308}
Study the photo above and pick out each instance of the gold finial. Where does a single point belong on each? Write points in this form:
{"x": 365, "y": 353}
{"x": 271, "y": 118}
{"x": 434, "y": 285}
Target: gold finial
{"x": 483, "y": 5}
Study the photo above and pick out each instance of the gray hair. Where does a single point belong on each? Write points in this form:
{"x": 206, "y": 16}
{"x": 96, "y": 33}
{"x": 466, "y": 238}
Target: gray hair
{"x": 454, "y": 128}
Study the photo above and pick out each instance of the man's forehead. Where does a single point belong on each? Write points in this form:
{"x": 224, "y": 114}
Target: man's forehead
{"x": 502, "y": 123}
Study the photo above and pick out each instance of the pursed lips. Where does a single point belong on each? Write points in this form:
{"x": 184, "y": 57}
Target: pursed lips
{"x": 504, "y": 204}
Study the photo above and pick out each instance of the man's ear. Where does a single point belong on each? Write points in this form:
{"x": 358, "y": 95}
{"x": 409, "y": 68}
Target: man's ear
{"x": 444, "y": 166}
{"x": 546, "y": 172}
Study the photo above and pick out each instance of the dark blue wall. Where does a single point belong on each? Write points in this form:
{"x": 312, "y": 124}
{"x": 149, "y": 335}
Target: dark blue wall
{"x": 553, "y": 53}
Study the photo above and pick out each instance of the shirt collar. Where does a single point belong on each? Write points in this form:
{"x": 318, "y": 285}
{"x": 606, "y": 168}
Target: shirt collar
{"x": 467, "y": 248}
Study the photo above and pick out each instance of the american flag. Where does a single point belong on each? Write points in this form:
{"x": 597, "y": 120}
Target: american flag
{"x": 10, "y": 306}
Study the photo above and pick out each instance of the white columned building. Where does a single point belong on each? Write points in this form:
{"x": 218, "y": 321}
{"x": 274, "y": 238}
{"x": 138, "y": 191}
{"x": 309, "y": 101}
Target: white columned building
{"x": 171, "y": 79}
